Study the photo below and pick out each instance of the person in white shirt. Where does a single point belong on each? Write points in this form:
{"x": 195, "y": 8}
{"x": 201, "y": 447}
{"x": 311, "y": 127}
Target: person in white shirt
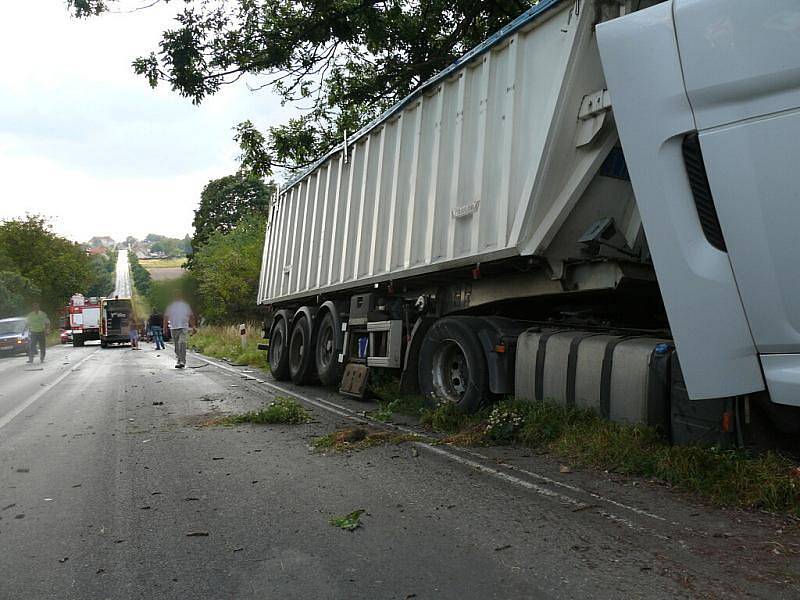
{"x": 180, "y": 318}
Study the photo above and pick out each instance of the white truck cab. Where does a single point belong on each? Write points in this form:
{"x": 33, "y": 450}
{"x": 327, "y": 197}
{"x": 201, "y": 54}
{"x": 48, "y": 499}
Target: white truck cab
{"x": 706, "y": 98}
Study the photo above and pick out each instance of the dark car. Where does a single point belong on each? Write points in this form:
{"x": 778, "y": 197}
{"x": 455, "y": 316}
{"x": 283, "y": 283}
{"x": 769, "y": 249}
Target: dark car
{"x": 13, "y": 336}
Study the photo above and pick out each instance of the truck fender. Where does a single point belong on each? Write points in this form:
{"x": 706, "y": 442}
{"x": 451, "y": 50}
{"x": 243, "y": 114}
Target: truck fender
{"x": 329, "y": 306}
{"x": 309, "y": 312}
{"x": 498, "y": 338}
{"x": 284, "y": 314}
{"x": 409, "y": 378}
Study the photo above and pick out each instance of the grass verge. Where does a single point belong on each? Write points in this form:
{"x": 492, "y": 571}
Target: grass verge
{"x": 224, "y": 342}
{"x": 360, "y": 438}
{"x": 734, "y": 478}
{"x": 284, "y": 411}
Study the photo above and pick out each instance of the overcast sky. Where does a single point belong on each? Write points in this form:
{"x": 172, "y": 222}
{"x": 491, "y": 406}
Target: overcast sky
{"x": 89, "y": 144}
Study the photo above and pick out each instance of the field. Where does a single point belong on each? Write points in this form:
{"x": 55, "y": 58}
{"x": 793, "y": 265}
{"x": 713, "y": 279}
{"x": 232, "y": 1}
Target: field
{"x": 161, "y": 263}
{"x": 161, "y": 269}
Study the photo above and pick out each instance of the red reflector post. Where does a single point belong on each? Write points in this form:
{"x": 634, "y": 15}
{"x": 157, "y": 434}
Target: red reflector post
{"x": 727, "y": 422}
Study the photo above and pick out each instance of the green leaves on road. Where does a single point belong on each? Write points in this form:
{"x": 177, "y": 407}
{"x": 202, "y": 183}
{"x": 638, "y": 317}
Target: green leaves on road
{"x": 348, "y": 522}
{"x": 280, "y": 411}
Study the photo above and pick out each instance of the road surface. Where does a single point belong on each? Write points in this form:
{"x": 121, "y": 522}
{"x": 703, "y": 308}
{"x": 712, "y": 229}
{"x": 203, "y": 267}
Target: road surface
{"x": 122, "y": 286}
{"x": 105, "y": 492}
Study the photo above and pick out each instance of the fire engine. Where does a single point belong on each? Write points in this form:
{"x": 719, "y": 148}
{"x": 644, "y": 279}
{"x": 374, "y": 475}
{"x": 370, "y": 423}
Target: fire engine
{"x": 83, "y": 318}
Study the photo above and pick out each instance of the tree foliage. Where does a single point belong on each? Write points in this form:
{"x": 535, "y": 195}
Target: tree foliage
{"x": 54, "y": 267}
{"x": 141, "y": 276}
{"x": 103, "y": 275}
{"x": 227, "y": 269}
{"x": 224, "y": 202}
{"x": 16, "y": 293}
{"x": 343, "y": 61}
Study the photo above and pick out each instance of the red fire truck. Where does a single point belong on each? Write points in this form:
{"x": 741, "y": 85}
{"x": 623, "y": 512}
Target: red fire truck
{"x": 83, "y": 318}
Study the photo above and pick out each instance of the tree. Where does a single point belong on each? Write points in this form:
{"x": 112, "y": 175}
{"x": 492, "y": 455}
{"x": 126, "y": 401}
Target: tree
{"x": 346, "y": 60}
{"x": 54, "y": 266}
{"x": 16, "y": 294}
{"x": 103, "y": 279}
{"x": 141, "y": 276}
{"x": 224, "y": 202}
{"x": 227, "y": 269}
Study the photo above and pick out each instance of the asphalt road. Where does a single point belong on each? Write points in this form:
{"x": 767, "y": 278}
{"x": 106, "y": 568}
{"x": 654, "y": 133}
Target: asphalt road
{"x": 122, "y": 285}
{"x": 104, "y": 494}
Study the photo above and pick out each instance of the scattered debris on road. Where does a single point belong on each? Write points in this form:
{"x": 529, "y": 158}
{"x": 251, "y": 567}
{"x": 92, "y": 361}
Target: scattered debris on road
{"x": 197, "y": 534}
{"x": 349, "y": 522}
{"x": 283, "y": 411}
{"x": 360, "y": 438}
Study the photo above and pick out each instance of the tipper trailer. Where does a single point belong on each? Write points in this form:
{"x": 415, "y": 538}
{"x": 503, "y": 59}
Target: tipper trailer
{"x": 598, "y": 183}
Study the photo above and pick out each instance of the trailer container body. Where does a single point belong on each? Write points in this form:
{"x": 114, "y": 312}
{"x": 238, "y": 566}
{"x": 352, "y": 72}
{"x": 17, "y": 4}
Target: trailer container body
{"x": 487, "y": 229}
{"x": 482, "y": 162}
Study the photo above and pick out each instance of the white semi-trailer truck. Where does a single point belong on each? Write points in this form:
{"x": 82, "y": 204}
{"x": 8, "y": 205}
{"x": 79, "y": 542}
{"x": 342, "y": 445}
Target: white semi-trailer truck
{"x": 600, "y": 183}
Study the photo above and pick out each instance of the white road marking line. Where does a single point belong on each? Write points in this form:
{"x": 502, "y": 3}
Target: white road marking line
{"x": 10, "y": 415}
{"x": 346, "y": 412}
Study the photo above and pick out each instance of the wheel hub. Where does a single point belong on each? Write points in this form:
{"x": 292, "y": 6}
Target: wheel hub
{"x": 450, "y": 372}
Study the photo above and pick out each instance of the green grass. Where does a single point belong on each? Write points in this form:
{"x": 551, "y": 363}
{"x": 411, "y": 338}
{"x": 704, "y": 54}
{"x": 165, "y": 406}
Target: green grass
{"x": 284, "y": 411}
{"x": 387, "y": 391}
{"x": 224, "y": 342}
{"x": 162, "y": 263}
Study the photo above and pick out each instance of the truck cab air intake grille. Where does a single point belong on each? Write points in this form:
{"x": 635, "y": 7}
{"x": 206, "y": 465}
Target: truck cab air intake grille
{"x": 703, "y": 201}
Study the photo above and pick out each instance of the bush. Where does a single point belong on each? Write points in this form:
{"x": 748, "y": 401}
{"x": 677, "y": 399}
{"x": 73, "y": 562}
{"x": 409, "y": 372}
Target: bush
{"x": 447, "y": 417}
{"x": 224, "y": 342}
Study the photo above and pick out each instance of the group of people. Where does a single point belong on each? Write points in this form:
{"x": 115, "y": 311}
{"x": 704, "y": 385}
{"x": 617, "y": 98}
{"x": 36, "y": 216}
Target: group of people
{"x": 178, "y": 317}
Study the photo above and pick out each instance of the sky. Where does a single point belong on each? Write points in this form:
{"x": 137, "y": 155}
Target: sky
{"x": 87, "y": 143}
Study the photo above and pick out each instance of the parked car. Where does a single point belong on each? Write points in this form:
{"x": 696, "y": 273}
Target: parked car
{"x": 66, "y": 336}
{"x": 13, "y": 336}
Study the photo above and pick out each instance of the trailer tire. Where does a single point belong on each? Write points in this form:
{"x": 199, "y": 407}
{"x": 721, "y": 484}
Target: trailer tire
{"x": 301, "y": 352}
{"x": 452, "y": 366}
{"x": 326, "y": 357}
{"x": 279, "y": 350}
{"x": 77, "y": 341}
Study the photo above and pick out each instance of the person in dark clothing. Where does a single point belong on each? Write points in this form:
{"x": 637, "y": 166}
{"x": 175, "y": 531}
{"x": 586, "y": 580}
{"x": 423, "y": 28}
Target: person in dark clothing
{"x": 155, "y": 326}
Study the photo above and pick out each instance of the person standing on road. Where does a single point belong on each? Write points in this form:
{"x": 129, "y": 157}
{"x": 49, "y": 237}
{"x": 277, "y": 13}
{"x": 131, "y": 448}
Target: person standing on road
{"x": 155, "y": 326}
{"x": 180, "y": 317}
{"x": 133, "y": 332}
{"x": 38, "y": 327}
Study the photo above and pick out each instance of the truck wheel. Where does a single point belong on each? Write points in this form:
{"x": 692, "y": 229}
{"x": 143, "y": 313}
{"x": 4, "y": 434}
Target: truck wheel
{"x": 452, "y": 367}
{"x": 103, "y": 344}
{"x": 301, "y": 353}
{"x": 325, "y": 355}
{"x": 279, "y": 351}
{"x": 77, "y": 341}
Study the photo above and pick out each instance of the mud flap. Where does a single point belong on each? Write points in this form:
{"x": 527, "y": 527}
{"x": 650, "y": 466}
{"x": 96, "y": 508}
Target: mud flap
{"x": 354, "y": 381}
